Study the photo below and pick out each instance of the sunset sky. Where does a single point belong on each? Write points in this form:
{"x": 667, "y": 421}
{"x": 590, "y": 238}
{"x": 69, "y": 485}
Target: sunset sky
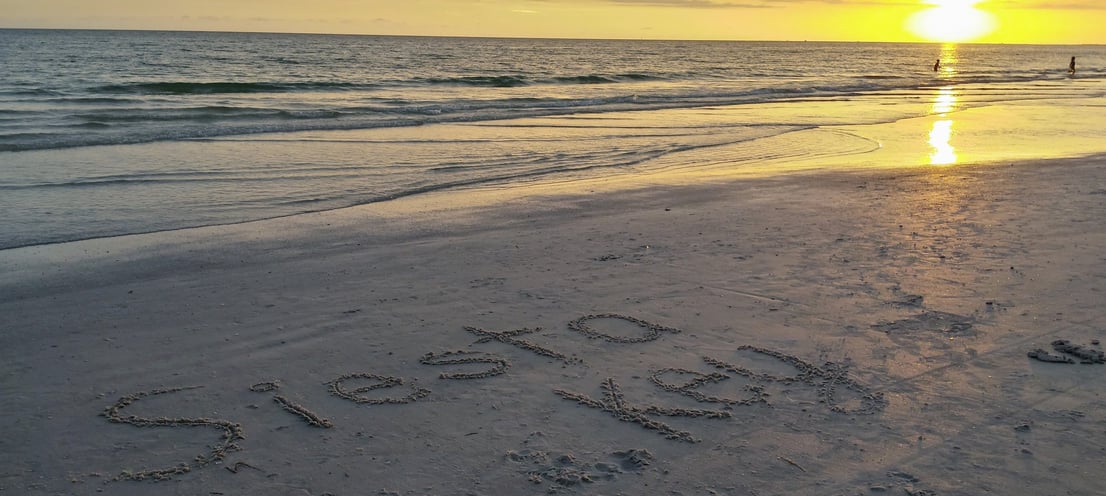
{"x": 1002, "y": 21}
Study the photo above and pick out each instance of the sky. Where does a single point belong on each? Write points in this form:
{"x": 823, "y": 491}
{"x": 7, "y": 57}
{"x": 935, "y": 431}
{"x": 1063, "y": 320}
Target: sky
{"x": 992, "y": 21}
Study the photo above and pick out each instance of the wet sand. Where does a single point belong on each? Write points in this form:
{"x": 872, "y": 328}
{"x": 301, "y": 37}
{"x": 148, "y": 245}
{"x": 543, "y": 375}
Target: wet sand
{"x": 809, "y": 333}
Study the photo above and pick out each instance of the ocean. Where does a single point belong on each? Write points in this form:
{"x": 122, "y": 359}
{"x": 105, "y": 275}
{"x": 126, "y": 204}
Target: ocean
{"x": 106, "y": 133}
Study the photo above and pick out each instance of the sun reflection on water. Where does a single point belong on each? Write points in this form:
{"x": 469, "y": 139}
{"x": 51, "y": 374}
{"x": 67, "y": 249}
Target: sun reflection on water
{"x": 940, "y": 136}
{"x": 945, "y": 101}
{"x": 943, "y": 152}
{"x": 948, "y": 61}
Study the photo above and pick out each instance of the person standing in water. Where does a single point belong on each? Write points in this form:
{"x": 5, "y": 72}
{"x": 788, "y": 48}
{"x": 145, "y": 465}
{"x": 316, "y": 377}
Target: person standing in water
{"x": 937, "y": 65}
{"x": 1071, "y": 66}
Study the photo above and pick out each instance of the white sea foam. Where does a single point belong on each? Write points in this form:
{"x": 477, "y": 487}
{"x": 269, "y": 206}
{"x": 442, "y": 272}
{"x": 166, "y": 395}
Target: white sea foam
{"x": 145, "y": 136}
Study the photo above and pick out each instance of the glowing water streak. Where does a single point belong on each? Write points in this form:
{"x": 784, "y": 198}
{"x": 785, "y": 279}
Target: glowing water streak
{"x": 939, "y": 138}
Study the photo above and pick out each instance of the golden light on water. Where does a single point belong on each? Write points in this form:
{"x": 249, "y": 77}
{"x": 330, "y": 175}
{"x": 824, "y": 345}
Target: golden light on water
{"x": 952, "y": 21}
{"x": 940, "y": 136}
{"x": 949, "y": 61}
{"x": 945, "y": 101}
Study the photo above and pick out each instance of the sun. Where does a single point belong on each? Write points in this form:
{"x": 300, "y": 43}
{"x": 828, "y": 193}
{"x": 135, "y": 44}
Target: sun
{"x": 952, "y": 21}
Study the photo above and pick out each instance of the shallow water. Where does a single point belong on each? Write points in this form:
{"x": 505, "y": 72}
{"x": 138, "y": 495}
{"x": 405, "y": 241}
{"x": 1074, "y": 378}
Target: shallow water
{"x": 157, "y": 131}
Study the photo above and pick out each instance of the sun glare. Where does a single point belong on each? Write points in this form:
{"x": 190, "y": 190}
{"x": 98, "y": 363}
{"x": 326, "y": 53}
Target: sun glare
{"x": 940, "y": 137}
{"x": 952, "y": 21}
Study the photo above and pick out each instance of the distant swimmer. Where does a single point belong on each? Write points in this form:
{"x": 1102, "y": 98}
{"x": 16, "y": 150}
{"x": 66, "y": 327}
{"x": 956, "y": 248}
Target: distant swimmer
{"x": 1071, "y": 66}
{"x": 937, "y": 66}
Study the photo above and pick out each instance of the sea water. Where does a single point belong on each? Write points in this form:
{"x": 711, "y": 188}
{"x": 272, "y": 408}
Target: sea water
{"x": 106, "y": 133}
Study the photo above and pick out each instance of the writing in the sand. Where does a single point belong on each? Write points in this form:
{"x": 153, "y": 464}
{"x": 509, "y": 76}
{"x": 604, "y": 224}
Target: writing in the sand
{"x": 365, "y": 388}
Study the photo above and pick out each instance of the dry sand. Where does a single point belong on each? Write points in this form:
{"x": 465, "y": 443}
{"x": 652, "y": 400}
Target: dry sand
{"x": 812, "y": 333}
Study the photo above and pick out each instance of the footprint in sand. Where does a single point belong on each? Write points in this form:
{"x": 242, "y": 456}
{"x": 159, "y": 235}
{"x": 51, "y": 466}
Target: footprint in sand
{"x": 1085, "y": 354}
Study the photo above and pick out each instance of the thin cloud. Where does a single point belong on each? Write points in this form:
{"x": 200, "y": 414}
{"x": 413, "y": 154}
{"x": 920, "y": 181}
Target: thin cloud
{"x": 1051, "y": 4}
{"x": 749, "y": 4}
{"x": 694, "y": 4}
{"x": 766, "y": 4}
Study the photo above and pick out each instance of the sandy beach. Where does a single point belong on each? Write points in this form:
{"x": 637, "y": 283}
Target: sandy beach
{"x": 820, "y": 332}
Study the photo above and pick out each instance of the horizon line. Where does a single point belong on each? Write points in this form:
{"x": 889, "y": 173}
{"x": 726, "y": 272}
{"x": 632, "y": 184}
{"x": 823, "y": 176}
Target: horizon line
{"x": 565, "y": 38}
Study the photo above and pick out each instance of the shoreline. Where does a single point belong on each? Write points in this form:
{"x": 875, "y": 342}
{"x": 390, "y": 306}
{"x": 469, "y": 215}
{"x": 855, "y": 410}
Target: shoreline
{"x": 448, "y": 208}
{"x": 905, "y": 299}
{"x": 946, "y": 125}
{"x": 486, "y": 196}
